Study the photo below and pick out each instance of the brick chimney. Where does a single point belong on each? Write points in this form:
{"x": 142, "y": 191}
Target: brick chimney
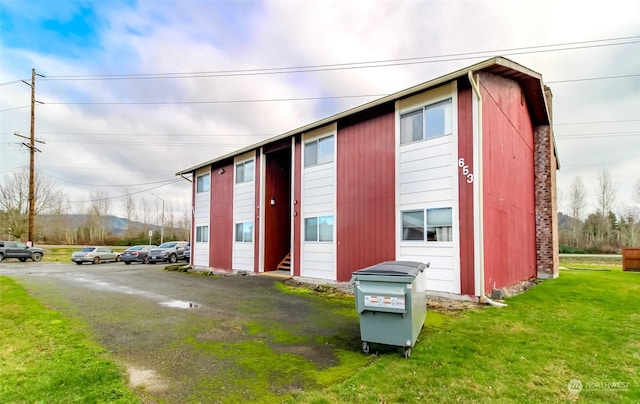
{"x": 546, "y": 164}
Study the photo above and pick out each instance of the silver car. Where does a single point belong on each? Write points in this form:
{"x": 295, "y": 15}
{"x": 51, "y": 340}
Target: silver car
{"x": 170, "y": 252}
{"x": 137, "y": 253}
{"x": 95, "y": 255}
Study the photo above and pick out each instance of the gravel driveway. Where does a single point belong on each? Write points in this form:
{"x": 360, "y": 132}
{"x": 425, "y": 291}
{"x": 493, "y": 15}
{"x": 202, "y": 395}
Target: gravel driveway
{"x": 193, "y": 338}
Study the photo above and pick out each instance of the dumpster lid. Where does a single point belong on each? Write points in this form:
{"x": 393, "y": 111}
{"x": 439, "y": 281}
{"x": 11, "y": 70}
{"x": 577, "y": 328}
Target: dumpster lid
{"x": 394, "y": 268}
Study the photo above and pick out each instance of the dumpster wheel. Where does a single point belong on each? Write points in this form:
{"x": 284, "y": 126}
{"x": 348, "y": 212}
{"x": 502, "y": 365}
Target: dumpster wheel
{"x": 365, "y": 347}
{"x": 407, "y": 352}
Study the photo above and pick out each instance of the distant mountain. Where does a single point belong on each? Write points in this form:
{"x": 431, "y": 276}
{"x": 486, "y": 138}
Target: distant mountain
{"x": 115, "y": 225}
{"x": 564, "y": 221}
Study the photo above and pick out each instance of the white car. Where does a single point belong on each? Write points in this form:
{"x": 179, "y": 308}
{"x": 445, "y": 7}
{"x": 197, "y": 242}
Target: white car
{"x": 95, "y": 255}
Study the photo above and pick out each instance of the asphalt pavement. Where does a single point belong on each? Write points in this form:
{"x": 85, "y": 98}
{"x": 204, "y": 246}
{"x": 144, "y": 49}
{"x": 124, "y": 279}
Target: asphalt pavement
{"x": 166, "y": 328}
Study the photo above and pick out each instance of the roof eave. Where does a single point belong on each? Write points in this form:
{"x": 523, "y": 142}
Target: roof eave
{"x": 528, "y": 79}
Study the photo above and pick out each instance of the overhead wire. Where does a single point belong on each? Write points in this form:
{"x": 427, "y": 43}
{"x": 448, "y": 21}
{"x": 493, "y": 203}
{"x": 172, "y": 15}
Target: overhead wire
{"x": 360, "y": 65}
{"x": 126, "y": 194}
{"x": 246, "y": 101}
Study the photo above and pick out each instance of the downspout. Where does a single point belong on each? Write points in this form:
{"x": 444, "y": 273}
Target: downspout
{"x": 479, "y": 222}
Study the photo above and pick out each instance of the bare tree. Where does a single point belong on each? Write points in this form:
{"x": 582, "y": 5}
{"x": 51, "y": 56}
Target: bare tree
{"x": 606, "y": 195}
{"x": 170, "y": 221}
{"x": 14, "y": 200}
{"x": 184, "y": 223}
{"x": 129, "y": 205}
{"x": 98, "y": 210}
{"x": 146, "y": 212}
{"x": 577, "y": 200}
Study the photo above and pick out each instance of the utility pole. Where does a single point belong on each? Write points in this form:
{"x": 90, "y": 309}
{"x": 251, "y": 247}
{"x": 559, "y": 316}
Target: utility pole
{"x": 32, "y": 150}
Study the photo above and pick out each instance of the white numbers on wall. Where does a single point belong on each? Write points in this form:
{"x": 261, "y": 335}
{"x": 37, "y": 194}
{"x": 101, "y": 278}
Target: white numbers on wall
{"x": 465, "y": 170}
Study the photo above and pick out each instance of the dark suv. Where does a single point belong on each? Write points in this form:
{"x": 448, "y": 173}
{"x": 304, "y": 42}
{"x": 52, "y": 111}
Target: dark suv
{"x": 171, "y": 251}
{"x": 19, "y": 250}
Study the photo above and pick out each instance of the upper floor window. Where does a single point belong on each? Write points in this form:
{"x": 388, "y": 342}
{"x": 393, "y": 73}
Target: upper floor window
{"x": 437, "y": 222}
{"x": 203, "y": 183}
{"x": 318, "y": 151}
{"x": 244, "y": 171}
{"x": 428, "y": 122}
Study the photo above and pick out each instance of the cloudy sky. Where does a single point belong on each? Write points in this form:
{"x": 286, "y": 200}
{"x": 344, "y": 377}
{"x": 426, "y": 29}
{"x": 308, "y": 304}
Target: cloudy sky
{"x": 135, "y": 91}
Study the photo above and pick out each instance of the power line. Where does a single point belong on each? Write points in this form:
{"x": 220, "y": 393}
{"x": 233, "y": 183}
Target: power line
{"x": 360, "y": 65}
{"x": 182, "y": 135}
{"x": 119, "y": 185}
{"x": 593, "y": 78}
{"x": 246, "y": 101}
{"x": 595, "y": 122}
{"x": 214, "y": 102}
{"x": 207, "y": 135}
{"x": 593, "y": 135}
{"x": 279, "y": 99}
{"x": 154, "y": 144}
{"x": 126, "y": 194}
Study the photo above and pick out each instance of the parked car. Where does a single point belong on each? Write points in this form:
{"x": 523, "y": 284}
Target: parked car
{"x": 95, "y": 255}
{"x": 187, "y": 252}
{"x": 19, "y": 250}
{"x": 137, "y": 253}
{"x": 171, "y": 252}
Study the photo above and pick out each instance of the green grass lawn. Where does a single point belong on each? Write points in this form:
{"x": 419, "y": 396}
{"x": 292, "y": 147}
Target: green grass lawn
{"x": 46, "y": 358}
{"x": 582, "y": 327}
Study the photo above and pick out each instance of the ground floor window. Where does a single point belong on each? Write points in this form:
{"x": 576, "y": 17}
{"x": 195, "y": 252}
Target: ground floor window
{"x": 202, "y": 234}
{"x": 244, "y": 232}
{"x": 318, "y": 228}
{"x": 437, "y": 222}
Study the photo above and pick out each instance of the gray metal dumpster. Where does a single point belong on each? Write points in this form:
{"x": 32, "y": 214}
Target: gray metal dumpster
{"x": 391, "y": 301}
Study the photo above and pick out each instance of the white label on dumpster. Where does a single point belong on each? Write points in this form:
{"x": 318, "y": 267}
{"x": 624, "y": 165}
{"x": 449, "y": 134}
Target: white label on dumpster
{"x": 384, "y": 301}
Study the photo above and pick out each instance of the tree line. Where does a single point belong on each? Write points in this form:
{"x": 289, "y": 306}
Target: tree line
{"x": 611, "y": 227}
{"x": 60, "y": 221}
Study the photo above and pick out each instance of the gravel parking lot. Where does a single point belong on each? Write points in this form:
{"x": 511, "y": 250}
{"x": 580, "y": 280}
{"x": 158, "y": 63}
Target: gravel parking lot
{"x": 184, "y": 337}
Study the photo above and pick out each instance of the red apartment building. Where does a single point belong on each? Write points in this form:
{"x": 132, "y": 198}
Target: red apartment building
{"x": 458, "y": 171}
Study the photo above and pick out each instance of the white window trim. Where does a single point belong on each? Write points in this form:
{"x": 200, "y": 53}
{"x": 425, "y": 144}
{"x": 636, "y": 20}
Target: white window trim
{"x": 425, "y": 225}
{"x": 235, "y": 232}
{"x": 207, "y": 234}
{"x": 201, "y": 176}
{"x": 333, "y": 230}
{"x": 317, "y": 141}
{"x": 423, "y": 108}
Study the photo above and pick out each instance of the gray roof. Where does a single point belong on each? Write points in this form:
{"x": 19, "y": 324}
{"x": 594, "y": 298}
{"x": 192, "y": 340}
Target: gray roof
{"x": 530, "y": 81}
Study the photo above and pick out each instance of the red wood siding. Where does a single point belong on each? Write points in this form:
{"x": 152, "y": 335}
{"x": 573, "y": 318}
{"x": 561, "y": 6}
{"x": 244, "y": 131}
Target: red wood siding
{"x": 508, "y": 190}
{"x": 365, "y": 216}
{"x": 465, "y": 192}
{"x": 277, "y": 221}
{"x": 221, "y": 217}
{"x": 297, "y": 192}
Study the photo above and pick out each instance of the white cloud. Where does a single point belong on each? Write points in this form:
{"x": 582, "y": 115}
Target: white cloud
{"x": 103, "y": 141}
